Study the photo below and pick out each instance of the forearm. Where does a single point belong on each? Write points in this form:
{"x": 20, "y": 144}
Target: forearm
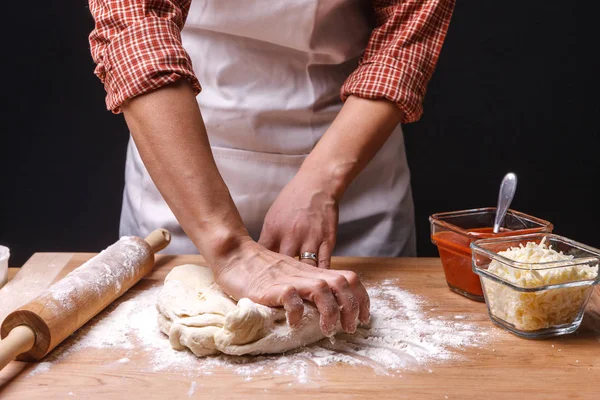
{"x": 169, "y": 132}
{"x": 355, "y": 136}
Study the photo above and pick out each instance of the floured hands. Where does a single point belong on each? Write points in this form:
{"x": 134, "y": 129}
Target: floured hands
{"x": 274, "y": 279}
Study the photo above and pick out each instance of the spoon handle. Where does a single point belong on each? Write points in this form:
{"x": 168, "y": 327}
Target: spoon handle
{"x": 507, "y": 192}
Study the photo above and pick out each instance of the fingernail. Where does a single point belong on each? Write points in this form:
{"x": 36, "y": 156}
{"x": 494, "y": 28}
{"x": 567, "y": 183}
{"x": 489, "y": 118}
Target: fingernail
{"x": 294, "y": 324}
{"x": 328, "y": 331}
{"x": 351, "y": 328}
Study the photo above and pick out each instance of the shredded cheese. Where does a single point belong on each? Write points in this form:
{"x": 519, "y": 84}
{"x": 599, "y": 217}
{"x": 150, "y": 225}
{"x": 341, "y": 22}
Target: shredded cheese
{"x": 532, "y": 311}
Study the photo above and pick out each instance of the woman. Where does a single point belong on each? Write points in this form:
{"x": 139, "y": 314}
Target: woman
{"x": 267, "y": 163}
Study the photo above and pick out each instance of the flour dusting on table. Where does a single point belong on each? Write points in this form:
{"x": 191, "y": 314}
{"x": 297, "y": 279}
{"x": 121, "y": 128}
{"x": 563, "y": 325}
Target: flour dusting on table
{"x": 402, "y": 336}
{"x": 41, "y": 367}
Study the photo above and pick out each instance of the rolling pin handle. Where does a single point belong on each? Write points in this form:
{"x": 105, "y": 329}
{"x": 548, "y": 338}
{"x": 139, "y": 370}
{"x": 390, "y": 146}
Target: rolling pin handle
{"x": 158, "y": 239}
{"x": 19, "y": 340}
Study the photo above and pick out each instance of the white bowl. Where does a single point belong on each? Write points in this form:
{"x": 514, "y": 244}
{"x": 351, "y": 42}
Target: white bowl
{"x": 4, "y": 255}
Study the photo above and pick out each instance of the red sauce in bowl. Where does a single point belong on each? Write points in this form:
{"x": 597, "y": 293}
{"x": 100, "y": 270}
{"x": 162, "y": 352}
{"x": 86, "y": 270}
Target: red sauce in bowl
{"x": 455, "y": 255}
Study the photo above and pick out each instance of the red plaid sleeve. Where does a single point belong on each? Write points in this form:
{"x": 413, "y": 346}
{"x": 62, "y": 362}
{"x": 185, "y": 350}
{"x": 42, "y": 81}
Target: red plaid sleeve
{"x": 402, "y": 53}
{"x": 136, "y": 46}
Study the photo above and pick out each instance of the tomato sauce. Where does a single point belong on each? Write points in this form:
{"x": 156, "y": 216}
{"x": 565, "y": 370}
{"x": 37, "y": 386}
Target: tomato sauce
{"x": 455, "y": 255}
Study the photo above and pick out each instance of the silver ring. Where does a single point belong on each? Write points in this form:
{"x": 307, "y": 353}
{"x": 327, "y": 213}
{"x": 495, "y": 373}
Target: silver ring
{"x": 307, "y": 255}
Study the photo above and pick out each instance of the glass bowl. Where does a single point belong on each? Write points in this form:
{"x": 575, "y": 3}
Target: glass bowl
{"x": 452, "y": 232}
{"x": 536, "y": 298}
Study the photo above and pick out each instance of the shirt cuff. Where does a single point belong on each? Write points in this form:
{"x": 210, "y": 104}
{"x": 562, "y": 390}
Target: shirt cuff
{"x": 143, "y": 57}
{"x": 387, "y": 78}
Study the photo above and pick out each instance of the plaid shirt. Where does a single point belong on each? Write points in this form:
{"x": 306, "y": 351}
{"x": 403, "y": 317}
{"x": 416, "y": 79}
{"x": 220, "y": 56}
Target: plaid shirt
{"x": 136, "y": 46}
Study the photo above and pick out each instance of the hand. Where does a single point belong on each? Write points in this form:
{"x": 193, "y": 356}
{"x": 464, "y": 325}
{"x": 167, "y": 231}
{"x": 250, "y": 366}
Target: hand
{"x": 265, "y": 277}
{"x": 303, "y": 218}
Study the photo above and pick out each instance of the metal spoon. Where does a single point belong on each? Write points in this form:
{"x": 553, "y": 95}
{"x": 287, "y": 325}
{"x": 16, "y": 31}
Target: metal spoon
{"x": 507, "y": 192}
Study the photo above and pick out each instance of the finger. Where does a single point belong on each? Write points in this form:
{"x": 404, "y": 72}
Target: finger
{"x": 360, "y": 294}
{"x": 346, "y": 300}
{"x": 288, "y": 297}
{"x": 289, "y": 247}
{"x": 324, "y": 255}
{"x": 319, "y": 292}
{"x": 269, "y": 241}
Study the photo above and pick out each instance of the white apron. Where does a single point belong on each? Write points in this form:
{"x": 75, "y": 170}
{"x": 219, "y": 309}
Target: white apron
{"x": 271, "y": 73}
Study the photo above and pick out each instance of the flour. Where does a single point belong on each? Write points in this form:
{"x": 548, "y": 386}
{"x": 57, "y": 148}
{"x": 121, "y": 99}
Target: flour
{"x": 192, "y": 389}
{"x": 41, "y": 367}
{"x": 402, "y": 336}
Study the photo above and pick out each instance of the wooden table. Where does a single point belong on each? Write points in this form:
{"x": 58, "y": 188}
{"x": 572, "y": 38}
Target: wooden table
{"x": 510, "y": 367}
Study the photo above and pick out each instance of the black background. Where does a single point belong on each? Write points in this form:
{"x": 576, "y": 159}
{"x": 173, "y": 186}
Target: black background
{"x": 515, "y": 89}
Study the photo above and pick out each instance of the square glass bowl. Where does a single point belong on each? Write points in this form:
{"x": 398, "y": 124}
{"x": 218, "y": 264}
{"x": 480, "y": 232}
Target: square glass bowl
{"x": 452, "y": 232}
{"x": 536, "y": 299}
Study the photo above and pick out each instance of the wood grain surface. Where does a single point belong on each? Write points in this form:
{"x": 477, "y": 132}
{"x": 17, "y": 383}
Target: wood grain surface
{"x": 35, "y": 276}
{"x": 507, "y": 368}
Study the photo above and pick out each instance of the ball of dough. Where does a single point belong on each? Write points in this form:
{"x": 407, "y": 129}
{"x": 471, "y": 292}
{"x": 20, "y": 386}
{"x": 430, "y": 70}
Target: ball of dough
{"x": 196, "y": 314}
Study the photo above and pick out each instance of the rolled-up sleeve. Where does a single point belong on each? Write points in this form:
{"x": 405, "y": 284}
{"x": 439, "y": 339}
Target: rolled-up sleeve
{"x": 137, "y": 47}
{"x": 402, "y": 53}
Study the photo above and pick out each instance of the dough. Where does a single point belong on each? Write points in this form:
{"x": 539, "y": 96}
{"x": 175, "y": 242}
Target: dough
{"x": 195, "y": 313}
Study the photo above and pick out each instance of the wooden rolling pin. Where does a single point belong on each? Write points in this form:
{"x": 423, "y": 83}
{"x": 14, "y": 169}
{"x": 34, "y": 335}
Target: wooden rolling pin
{"x": 32, "y": 331}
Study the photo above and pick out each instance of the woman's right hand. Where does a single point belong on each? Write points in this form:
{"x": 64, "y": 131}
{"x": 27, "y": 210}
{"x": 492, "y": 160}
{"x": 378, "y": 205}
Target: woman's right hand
{"x": 249, "y": 270}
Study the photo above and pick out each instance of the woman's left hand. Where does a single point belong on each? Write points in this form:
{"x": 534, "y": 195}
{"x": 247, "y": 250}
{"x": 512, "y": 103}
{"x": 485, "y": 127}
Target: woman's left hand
{"x": 303, "y": 218}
